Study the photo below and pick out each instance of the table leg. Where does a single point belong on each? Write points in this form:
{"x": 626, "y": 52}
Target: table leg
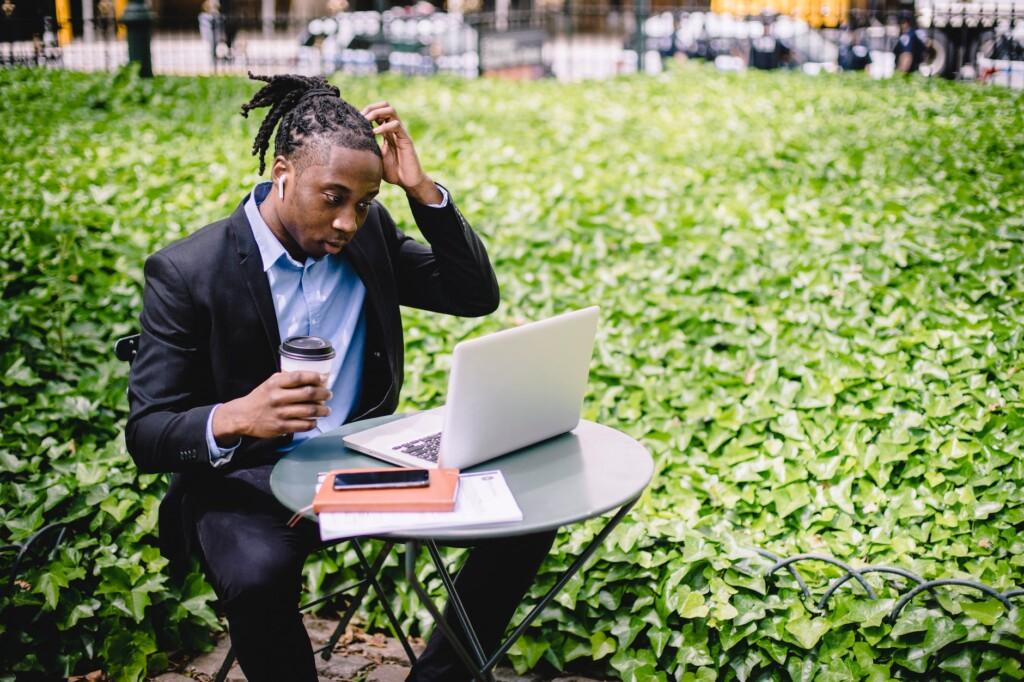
{"x": 566, "y": 577}
{"x": 369, "y": 580}
{"x": 372, "y": 576}
{"x": 412, "y": 550}
{"x": 481, "y": 669}
{"x": 456, "y": 601}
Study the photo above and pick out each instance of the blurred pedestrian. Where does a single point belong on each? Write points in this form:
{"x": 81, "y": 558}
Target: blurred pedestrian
{"x": 909, "y": 50}
{"x": 854, "y": 54}
{"x": 230, "y": 19}
{"x": 769, "y": 52}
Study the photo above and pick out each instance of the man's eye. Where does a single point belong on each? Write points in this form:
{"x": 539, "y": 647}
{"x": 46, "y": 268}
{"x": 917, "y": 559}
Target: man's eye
{"x": 363, "y": 206}
{"x": 331, "y": 199}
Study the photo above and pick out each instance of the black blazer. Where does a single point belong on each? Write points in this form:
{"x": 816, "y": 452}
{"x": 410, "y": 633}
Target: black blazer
{"x": 209, "y": 335}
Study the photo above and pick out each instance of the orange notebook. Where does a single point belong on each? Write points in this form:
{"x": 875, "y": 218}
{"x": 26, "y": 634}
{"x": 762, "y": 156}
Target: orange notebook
{"x": 438, "y": 496}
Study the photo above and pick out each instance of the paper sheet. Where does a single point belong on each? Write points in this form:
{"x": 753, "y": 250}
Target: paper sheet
{"x": 483, "y": 499}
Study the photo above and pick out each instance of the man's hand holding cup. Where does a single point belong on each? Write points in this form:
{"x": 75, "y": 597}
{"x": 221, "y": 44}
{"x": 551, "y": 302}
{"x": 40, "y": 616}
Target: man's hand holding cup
{"x": 290, "y": 401}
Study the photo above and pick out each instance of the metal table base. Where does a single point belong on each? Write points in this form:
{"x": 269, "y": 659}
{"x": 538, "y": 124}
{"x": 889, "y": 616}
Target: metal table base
{"x": 588, "y": 472}
{"x": 479, "y": 664}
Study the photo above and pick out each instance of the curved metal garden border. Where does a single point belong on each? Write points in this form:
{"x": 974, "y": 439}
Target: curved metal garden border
{"x": 857, "y": 574}
{"x": 850, "y": 573}
{"x": 54, "y": 533}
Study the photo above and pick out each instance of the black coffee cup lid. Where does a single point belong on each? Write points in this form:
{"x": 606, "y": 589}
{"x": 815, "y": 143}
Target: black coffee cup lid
{"x": 307, "y": 348}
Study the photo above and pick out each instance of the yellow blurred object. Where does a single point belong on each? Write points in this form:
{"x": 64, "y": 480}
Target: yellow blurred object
{"x": 816, "y": 13}
{"x": 119, "y": 6}
{"x": 64, "y": 35}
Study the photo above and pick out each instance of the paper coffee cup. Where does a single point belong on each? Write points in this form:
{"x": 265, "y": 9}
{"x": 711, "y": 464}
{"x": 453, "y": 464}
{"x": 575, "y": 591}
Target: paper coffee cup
{"x": 307, "y": 354}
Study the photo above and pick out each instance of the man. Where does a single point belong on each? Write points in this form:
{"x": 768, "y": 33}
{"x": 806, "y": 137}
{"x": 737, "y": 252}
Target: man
{"x": 768, "y": 52}
{"x": 310, "y": 253}
{"x": 910, "y": 48}
{"x": 854, "y": 54}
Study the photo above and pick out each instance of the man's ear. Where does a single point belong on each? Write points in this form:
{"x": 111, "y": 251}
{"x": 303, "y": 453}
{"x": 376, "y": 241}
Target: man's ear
{"x": 282, "y": 166}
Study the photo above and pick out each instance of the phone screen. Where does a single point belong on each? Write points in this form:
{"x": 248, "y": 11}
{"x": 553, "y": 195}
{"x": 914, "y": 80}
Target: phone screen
{"x": 399, "y": 478}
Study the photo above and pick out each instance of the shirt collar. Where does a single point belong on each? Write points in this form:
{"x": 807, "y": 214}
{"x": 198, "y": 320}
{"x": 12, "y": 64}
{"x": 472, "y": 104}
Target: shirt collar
{"x": 270, "y": 248}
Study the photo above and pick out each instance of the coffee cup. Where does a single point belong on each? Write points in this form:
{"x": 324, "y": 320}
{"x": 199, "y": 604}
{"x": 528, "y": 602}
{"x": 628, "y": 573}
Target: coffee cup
{"x": 307, "y": 354}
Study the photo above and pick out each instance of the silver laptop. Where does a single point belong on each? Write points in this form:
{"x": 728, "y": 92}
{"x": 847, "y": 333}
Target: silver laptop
{"x": 506, "y": 390}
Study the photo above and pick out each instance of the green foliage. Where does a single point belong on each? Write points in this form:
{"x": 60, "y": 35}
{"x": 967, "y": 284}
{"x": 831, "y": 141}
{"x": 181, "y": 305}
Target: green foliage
{"x": 811, "y": 298}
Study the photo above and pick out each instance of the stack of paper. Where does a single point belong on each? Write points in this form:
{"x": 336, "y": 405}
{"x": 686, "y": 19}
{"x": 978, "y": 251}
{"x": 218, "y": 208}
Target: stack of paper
{"x": 483, "y": 499}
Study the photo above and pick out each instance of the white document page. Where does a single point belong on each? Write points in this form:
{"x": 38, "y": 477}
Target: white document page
{"x": 482, "y": 499}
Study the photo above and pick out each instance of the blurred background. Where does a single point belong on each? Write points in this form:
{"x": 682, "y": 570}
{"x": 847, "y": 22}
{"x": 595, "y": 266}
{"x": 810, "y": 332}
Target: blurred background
{"x": 979, "y": 40}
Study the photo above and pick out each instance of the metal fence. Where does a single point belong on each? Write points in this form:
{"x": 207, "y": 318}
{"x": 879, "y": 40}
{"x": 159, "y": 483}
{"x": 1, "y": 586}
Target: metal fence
{"x": 981, "y": 41}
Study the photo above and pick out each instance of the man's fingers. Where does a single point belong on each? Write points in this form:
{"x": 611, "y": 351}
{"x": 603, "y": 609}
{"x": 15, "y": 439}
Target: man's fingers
{"x": 382, "y": 114}
{"x": 389, "y": 127}
{"x": 294, "y": 379}
{"x": 303, "y": 411}
{"x": 301, "y": 394}
{"x": 375, "y": 105}
{"x": 297, "y": 425}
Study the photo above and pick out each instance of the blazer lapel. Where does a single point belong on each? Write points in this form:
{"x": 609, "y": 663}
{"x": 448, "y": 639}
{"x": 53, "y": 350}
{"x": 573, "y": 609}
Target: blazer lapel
{"x": 376, "y": 316}
{"x": 255, "y": 278}
{"x": 361, "y": 264}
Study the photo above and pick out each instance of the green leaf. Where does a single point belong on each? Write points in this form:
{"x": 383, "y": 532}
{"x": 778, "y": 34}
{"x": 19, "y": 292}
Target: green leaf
{"x": 961, "y": 665}
{"x": 986, "y": 612}
{"x": 791, "y": 498}
{"x": 525, "y": 652}
{"x": 601, "y": 645}
{"x": 941, "y": 632}
{"x": 689, "y": 604}
{"x": 807, "y": 631}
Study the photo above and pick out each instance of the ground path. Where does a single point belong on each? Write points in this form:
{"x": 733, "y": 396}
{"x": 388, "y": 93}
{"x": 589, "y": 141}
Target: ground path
{"x": 358, "y": 657}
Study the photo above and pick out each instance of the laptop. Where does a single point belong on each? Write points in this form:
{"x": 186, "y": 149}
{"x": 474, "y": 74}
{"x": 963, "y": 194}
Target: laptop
{"x": 506, "y": 391}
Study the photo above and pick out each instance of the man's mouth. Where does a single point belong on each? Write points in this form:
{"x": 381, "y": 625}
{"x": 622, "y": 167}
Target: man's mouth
{"x": 334, "y": 246}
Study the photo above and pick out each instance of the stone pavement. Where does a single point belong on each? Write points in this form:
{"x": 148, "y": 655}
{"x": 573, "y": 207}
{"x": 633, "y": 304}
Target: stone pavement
{"x": 358, "y": 657}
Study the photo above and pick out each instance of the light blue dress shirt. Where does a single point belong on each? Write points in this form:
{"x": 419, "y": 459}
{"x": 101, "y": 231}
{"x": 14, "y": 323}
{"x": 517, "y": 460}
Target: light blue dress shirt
{"x": 320, "y": 297}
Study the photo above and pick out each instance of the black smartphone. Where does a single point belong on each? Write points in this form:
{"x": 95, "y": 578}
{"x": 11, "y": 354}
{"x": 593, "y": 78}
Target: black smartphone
{"x": 399, "y": 478}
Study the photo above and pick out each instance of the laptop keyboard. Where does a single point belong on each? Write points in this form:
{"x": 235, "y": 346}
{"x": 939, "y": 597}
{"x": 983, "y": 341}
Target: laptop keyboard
{"x": 424, "y": 448}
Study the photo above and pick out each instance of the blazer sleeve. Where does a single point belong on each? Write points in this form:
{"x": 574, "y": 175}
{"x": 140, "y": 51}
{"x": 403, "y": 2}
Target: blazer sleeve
{"x": 453, "y": 275}
{"x": 166, "y": 429}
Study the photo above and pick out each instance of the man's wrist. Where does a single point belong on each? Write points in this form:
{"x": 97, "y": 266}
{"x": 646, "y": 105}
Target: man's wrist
{"x": 425, "y": 192}
{"x": 226, "y": 425}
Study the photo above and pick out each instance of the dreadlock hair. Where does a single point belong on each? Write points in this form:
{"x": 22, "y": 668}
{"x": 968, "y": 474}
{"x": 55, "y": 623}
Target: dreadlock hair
{"x": 312, "y": 117}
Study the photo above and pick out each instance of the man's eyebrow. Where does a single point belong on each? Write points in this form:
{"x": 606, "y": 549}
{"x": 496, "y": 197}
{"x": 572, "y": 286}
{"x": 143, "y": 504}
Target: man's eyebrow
{"x": 345, "y": 189}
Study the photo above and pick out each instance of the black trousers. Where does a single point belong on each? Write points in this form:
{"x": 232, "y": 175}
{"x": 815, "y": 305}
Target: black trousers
{"x": 254, "y": 562}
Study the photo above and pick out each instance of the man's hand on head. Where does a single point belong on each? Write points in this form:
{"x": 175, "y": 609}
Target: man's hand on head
{"x": 287, "y": 402}
{"x": 401, "y": 164}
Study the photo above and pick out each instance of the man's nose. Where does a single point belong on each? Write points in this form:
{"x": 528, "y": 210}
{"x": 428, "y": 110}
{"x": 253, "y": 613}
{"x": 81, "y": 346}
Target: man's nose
{"x": 346, "y": 222}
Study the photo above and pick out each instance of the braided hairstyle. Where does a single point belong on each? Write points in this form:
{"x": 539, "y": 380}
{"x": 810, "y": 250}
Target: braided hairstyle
{"x": 312, "y": 117}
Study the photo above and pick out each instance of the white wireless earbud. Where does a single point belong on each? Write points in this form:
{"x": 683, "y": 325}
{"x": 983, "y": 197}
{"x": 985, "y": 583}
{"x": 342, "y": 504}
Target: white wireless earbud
{"x": 280, "y": 187}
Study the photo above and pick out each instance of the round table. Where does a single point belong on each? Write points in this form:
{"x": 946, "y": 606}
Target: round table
{"x": 579, "y": 475}
{"x": 569, "y": 478}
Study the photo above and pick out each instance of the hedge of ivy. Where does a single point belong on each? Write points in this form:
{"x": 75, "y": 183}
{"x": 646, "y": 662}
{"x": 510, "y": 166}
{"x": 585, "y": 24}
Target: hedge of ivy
{"x": 811, "y": 294}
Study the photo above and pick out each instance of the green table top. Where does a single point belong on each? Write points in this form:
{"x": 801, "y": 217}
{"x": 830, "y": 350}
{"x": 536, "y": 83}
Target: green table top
{"x": 569, "y": 478}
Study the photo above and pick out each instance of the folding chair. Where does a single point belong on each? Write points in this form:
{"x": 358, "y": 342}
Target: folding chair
{"x": 125, "y": 349}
